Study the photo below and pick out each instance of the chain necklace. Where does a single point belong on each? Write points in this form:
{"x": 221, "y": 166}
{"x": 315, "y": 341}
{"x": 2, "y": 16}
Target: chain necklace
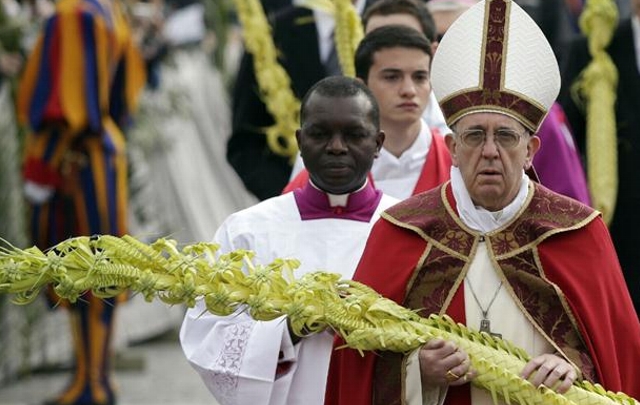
{"x": 485, "y": 323}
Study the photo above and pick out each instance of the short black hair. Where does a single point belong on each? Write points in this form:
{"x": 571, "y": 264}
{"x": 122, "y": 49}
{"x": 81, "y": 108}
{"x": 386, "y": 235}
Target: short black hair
{"x": 391, "y": 36}
{"x": 411, "y": 7}
{"x": 341, "y": 87}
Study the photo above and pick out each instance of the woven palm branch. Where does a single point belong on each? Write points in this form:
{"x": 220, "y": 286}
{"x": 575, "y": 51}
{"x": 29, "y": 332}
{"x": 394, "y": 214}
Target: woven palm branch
{"x": 108, "y": 265}
{"x": 596, "y": 86}
{"x": 273, "y": 80}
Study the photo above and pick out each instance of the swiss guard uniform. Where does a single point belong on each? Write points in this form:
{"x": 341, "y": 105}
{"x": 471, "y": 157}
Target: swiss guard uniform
{"x": 80, "y": 84}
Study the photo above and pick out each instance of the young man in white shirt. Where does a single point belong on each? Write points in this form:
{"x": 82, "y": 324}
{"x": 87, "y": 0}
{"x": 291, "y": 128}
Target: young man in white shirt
{"x": 394, "y": 61}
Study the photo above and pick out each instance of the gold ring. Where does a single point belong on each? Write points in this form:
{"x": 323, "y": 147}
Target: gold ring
{"x": 451, "y": 376}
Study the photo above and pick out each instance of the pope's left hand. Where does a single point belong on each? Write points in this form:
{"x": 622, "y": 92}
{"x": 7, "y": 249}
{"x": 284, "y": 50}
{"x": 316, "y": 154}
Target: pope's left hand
{"x": 551, "y": 371}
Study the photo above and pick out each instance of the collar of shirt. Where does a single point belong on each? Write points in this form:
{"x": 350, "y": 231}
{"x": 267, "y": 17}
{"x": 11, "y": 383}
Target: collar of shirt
{"x": 360, "y": 205}
{"x": 325, "y": 24}
{"x": 478, "y": 218}
{"x": 635, "y": 27}
{"x": 411, "y": 160}
{"x": 398, "y": 176}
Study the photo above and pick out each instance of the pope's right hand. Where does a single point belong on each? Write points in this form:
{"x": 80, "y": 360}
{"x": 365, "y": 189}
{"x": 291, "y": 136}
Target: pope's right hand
{"x": 443, "y": 363}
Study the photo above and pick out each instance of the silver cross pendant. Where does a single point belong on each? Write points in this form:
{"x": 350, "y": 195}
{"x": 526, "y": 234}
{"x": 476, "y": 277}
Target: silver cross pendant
{"x": 485, "y": 326}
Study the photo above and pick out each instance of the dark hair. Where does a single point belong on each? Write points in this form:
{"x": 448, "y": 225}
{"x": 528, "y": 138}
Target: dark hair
{"x": 341, "y": 87}
{"x": 410, "y": 7}
{"x": 391, "y": 36}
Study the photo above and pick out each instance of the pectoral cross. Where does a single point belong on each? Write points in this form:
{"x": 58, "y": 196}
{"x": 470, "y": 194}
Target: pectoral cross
{"x": 485, "y": 326}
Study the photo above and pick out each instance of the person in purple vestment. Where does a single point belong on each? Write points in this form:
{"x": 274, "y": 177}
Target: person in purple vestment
{"x": 558, "y": 163}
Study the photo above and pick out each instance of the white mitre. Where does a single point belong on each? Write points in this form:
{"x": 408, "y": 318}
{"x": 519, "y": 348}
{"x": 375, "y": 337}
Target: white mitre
{"x": 494, "y": 58}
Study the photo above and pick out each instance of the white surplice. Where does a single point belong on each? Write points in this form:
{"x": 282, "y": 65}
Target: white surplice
{"x": 237, "y": 356}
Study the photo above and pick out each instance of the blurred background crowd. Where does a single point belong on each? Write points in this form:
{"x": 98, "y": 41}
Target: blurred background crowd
{"x": 194, "y": 122}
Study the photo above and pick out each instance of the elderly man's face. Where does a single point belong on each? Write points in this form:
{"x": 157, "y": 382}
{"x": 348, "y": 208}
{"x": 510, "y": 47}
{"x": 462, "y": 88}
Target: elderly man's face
{"x": 491, "y": 169}
{"x": 338, "y": 142}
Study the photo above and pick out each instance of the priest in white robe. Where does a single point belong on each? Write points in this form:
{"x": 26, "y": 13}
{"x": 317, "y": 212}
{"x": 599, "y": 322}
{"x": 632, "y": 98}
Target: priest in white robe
{"x": 324, "y": 225}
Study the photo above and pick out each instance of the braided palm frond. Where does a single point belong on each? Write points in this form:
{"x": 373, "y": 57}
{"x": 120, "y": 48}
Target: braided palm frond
{"x": 348, "y": 34}
{"x": 597, "y": 83}
{"x": 108, "y": 265}
{"x": 273, "y": 80}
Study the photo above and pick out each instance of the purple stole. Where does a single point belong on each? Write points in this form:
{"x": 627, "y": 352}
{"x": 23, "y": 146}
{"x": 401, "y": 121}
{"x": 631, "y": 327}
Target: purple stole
{"x": 314, "y": 204}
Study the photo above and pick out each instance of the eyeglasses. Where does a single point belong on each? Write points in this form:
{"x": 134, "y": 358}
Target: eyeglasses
{"x": 505, "y": 138}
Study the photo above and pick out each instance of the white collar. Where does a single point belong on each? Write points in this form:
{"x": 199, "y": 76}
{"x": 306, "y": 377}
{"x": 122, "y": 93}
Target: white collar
{"x": 418, "y": 149}
{"x": 635, "y": 27}
{"x": 478, "y": 218}
{"x": 338, "y": 200}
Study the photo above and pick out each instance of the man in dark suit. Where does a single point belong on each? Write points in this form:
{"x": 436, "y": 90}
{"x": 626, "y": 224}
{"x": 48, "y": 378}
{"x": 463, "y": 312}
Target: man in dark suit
{"x": 624, "y": 49}
{"x": 296, "y": 36}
